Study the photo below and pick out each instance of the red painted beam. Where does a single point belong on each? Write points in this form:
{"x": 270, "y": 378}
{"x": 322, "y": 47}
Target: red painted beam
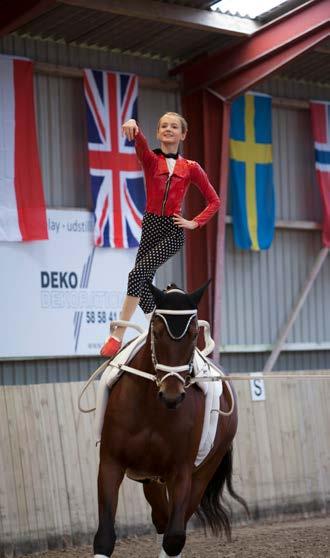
{"x": 239, "y": 83}
{"x": 270, "y": 39}
{"x": 16, "y": 14}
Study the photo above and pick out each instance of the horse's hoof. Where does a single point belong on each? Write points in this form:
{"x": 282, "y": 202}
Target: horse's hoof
{"x": 100, "y": 556}
{"x": 164, "y": 555}
{"x": 173, "y": 543}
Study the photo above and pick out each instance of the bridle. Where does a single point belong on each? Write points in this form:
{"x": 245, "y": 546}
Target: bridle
{"x": 172, "y": 370}
{"x": 175, "y": 371}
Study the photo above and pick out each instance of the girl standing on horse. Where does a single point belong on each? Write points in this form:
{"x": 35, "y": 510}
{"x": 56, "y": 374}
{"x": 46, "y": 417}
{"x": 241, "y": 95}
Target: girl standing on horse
{"x": 167, "y": 177}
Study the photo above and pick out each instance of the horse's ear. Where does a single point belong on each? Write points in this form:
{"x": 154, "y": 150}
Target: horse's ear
{"x": 157, "y": 294}
{"x": 196, "y": 296}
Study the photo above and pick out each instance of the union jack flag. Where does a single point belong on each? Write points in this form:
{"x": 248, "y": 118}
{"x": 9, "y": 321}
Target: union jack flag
{"x": 320, "y": 112}
{"x": 116, "y": 175}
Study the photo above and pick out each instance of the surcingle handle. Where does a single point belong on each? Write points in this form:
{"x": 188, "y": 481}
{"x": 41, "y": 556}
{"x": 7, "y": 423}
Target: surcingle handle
{"x": 209, "y": 343}
{"x": 124, "y": 323}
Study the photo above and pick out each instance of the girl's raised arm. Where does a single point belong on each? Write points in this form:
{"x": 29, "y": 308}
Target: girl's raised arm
{"x": 130, "y": 129}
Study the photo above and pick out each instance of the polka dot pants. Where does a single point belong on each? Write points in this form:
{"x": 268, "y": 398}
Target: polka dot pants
{"x": 161, "y": 238}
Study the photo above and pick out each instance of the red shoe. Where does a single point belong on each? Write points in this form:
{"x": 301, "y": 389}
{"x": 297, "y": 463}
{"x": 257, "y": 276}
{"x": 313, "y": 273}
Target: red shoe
{"x": 110, "y": 347}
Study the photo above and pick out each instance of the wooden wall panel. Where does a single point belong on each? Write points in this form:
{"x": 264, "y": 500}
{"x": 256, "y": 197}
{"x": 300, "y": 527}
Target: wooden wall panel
{"x": 48, "y": 461}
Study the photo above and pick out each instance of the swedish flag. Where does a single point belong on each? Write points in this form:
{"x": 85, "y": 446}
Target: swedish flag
{"x": 251, "y": 171}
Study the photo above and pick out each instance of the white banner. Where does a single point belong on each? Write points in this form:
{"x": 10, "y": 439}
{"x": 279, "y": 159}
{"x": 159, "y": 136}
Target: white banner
{"x": 57, "y": 296}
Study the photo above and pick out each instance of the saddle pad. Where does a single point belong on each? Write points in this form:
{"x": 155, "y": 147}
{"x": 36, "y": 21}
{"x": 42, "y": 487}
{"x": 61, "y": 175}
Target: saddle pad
{"x": 212, "y": 391}
{"x": 202, "y": 367}
{"x": 110, "y": 375}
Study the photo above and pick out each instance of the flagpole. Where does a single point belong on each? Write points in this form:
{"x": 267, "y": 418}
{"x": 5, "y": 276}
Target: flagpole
{"x": 296, "y": 309}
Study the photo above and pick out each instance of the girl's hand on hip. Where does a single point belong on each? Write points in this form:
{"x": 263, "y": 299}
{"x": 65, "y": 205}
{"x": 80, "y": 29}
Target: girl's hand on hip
{"x": 130, "y": 129}
{"x": 184, "y": 223}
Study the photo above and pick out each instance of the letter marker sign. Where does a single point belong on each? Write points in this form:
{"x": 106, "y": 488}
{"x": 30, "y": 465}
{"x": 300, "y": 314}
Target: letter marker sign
{"x": 257, "y": 387}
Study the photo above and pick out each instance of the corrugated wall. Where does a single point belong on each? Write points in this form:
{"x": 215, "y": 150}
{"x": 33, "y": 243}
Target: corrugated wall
{"x": 61, "y": 112}
{"x": 61, "y": 54}
{"x": 64, "y": 160}
{"x": 261, "y": 288}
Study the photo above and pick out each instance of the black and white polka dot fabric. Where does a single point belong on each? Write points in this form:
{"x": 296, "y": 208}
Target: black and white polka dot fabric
{"x": 161, "y": 238}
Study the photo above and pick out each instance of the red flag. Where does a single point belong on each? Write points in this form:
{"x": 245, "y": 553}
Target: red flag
{"x": 22, "y": 203}
{"x": 320, "y": 112}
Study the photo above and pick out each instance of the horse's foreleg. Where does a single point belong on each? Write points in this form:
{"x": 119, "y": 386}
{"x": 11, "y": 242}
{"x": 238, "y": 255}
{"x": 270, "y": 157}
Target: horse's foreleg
{"x": 179, "y": 495}
{"x": 155, "y": 494}
{"x": 164, "y": 555}
{"x": 196, "y": 494}
{"x": 109, "y": 480}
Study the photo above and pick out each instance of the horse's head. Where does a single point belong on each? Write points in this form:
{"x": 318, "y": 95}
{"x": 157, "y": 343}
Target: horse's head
{"x": 174, "y": 331}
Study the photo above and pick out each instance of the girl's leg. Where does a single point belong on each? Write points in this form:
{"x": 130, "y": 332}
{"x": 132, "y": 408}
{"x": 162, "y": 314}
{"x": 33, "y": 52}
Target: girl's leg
{"x": 113, "y": 343}
{"x": 145, "y": 269}
{"x": 151, "y": 234}
{"x": 168, "y": 231}
{"x": 129, "y": 306}
{"x": 149, "y": 259}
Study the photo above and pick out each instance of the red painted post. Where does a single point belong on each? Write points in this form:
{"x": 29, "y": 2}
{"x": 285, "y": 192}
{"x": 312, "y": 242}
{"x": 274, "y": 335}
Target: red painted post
{"x": 221, "y": 232}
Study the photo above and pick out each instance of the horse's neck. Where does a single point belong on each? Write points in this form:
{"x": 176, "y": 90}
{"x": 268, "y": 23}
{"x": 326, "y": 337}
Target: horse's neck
{"x": 142, "y": 360}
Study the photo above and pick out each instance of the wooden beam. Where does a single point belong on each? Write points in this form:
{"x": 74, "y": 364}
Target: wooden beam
{"x": 294, "y": 104}
{"x": 289, "y": 225}
{"x": 264, "y": 348}
{"x": 155, "y": 83}
{"x": 323, "y": 50}
{"x": 16, "y": 14}
{"x": 71, "y": 72}
{"x": 182, "y": 16}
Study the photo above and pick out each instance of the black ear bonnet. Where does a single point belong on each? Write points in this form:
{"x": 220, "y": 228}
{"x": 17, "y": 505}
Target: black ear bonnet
{"x": 183, "y": 305}
{"x": 177, "y": 324}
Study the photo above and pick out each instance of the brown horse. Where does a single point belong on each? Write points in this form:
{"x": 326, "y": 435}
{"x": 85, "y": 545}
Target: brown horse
{"x": 152, "y": 431}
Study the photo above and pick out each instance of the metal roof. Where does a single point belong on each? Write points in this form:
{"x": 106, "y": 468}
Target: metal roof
{"x": 200, "y": 4}
{"x": 313, "y": 66}
{"x": 280, "y": 10}
{"x": 124, "y": 34}
{"x": 269, "y": 15}
{"x": 174, "y": 42}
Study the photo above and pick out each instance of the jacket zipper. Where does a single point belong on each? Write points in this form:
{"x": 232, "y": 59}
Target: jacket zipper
{"x": 167, "y": 187}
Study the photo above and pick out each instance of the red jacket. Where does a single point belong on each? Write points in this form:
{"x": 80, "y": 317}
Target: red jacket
{"x": 165, "y": 193}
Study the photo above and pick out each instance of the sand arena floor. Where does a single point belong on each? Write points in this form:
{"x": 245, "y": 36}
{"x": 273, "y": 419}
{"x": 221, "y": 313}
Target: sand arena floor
{"x": 308, "y": 538}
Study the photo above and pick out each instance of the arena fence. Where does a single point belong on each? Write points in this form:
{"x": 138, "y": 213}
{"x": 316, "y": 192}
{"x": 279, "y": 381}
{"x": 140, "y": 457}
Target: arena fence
{"x": 48, "y": 461}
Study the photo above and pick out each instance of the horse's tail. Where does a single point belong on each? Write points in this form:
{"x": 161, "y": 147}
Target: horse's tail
{"x": 211, "y": 511}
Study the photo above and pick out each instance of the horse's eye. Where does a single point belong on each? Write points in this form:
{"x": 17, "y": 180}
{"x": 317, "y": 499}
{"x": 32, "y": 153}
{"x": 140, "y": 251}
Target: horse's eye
{"x": 156, "y": 336}
{"x": 193, "y": 330}
{"x": 158, "y": 329}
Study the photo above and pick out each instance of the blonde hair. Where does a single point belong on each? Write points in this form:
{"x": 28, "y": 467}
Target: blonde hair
{"x": 184, "y": 124}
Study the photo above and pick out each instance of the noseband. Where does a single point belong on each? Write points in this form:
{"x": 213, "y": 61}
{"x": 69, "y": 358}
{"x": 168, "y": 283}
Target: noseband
{"x": 172, "y": 370}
